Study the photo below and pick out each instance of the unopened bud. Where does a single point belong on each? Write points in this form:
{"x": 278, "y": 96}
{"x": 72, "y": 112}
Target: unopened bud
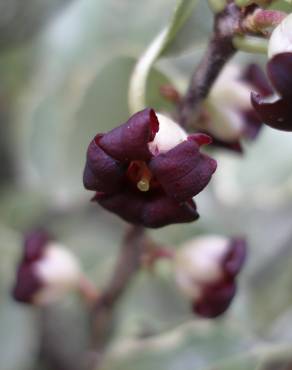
{"x": 170, "y": 134}
{"x": 46, "y": 271}
{"x": 205, "y": 271}
{"x": 225, "y": 105}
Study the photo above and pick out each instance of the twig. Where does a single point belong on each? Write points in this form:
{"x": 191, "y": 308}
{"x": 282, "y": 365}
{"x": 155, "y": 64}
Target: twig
{"x": 129, "y": 262}
{"x": 220, "y": 49}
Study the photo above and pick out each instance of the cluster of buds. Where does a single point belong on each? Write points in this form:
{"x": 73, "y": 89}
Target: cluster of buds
{"x": 228, "y": 115}
{"x": 206, "y": 269}
{"x": 275, "y": 111}
{"x": 47, "y": 270}
{"x": 148, "y": 170}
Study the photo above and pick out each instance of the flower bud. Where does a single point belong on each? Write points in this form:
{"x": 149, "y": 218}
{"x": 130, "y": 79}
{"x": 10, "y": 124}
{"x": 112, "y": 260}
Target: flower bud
{"x": 170, "y": 134}
{"x": 46, "y": 271}
{"x": 228, "y": 98}
{"x": 205, "y": 271}
{"x": 227, "y": 114}
{"x": 281, "y": 38}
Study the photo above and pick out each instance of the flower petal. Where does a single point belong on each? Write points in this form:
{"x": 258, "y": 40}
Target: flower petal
{"x": 234, "y": 146}
{"x": 34, "y": 245}
{"x": 183, "y": 171}
{"x": 215, "y": 300}
{"x": 102, "y": 172}
{"x": 27, "y": 284}
{"x": 130, "y": 140}
{"x": 280, "y": 73}
{"x": 257, "y": 79}
{"x": 235, "y": 257}
{"x": 150, "y": 210}
{"x": 276, "y": 114}
{"x": 253, "y": 124}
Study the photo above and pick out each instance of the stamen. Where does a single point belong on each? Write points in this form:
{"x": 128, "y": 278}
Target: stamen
{"x": 139, "y": 174}
{"x": 143, "y": 185}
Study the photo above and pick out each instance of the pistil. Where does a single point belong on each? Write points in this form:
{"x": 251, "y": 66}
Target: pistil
{"x": 140, "y": 175}
{"x": 144, "y": 183}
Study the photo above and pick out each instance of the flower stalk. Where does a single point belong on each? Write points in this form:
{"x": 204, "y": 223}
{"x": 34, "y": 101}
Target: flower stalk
{"x": 219, "y": 51}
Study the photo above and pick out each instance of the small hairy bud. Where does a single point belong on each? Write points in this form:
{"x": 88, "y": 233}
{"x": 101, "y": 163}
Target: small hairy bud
{"x": 46, "y": 271}
{"x": 205, "y": 271}
{"x": 227, "y": 115}
{"x": 228, "y": 99}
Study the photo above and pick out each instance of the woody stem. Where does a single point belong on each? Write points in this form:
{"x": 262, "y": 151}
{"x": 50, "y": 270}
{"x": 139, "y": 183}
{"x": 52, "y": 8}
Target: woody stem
{"x": 127, "y": 265}
{"x": 219, "y": 51}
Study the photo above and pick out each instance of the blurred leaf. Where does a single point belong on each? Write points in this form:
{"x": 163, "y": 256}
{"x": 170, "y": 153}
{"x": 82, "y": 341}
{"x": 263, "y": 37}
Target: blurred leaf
{"x": 202, "y": 346}
{"x": 20, "y": 20}
{"x": 17, "y": 335}
{"x": 192, "y": 31}
{"x": 282, "y": 5}
{"x": 172, "y": 39}
{"x": 182, "y": 12}
{"x": 197, "y": 346}
{"x": 152, "y": 304}
{"x": 273, "y": 278}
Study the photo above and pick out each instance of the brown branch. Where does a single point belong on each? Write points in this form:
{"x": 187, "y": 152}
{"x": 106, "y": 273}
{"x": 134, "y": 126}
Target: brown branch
{"x": 128, "y": 263}
{"x": 220, "y": 49}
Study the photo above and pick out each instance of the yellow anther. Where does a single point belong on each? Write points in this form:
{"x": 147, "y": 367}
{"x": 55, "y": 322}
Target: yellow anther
{"x": 143, "y": 184}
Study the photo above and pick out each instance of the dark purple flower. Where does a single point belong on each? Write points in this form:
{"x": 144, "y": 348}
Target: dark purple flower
{"x": 148, "y": 170}
{"x": 276, "y": 111}
{"x": 45, "y": 271}
{"x": 206, "y": 271}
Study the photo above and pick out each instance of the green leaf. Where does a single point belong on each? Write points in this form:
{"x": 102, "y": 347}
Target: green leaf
{"x": 199, "y": 345}
{"x": 172, "y": 34}
{"x": 181, "y": 14}
{"x": 284, "y": 5}
{"x": 195, "y": 345}
{"x": 17, "y": 335}
{"x": 20, "y": 21}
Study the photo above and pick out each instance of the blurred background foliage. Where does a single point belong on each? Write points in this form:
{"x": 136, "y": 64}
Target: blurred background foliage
{"x": 65, "y": 68}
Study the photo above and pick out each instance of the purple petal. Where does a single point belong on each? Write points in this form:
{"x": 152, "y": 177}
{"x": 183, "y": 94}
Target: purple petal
{"x": 256, "y": 78}
{"x": 253, "y": 124}
{"x": 235, "y": 258}
{"x": 130, "y": 140}
{"x": 150, "y": 210}
{"x": 35, "y": 243}
{"x": 280, "y": 73}
{"x": 27, "y": 284}
{"x": 277, "y": 114}
{"x": 215, "y": 300}
{"x": 183, "y": 171}
{"x": 102, "y": 172}
{"x": 234, "y": 146}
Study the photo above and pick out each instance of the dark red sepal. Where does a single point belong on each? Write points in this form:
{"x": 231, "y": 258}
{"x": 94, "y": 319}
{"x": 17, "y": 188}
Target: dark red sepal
{"x": 130, "y": 140}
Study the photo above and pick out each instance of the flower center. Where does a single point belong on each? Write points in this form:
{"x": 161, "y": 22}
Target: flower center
{"x": 139, "y": 173}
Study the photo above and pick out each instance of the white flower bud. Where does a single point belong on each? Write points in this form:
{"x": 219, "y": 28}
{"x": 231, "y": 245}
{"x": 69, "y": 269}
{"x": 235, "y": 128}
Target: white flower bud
{"x": 59, "y": 272}
{"x": 229, "y": 97}
{"x": 281, "y": 38}
{"x": 199, "y": 262}
{"x": 170, "y": 134}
